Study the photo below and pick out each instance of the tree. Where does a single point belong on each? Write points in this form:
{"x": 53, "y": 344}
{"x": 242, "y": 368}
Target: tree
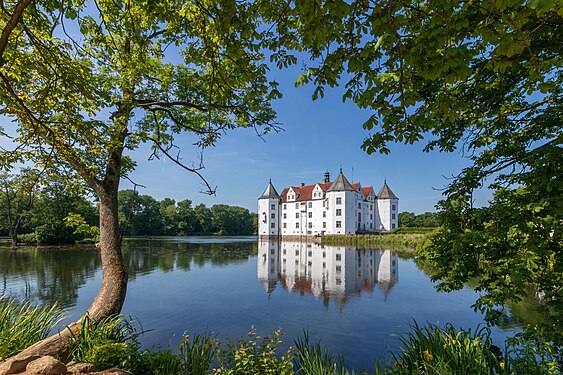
{"x": 406, "y": 219}
{"x": 18, "y": 197}
{"x": 86, "y": 81}
{"x": 187, "y": 220}
{"x": 482, "y": 77}
{"x": 168, "y": 214}
{"x": 204, "y": 219}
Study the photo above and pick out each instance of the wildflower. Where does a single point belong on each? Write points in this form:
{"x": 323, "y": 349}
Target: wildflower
{"x": 445, "y": 345}
{"x": 501, "y": 365}
{"x": 427, "y": 355}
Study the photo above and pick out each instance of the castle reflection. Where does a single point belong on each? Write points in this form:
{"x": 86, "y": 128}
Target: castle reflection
{"x": 333, "y": 273}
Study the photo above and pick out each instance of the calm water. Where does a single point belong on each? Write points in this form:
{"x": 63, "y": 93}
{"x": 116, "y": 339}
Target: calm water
{"x": 352, "y": 300}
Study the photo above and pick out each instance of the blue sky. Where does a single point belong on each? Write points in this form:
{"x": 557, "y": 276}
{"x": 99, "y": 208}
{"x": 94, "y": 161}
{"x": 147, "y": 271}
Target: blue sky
{"x": 317, "y": 135}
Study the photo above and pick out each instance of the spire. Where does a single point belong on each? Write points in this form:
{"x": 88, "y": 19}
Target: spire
{"x": 341, "y": 183}
{"x": 386, "y": 192}
{"x": 270, "y": 192}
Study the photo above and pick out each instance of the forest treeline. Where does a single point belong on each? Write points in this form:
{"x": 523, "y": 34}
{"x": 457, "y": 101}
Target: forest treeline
{"x": 425, "y": 220}
{"x": 56, "y": 214}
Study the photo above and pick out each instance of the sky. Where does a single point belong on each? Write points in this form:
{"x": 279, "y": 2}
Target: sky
{"x": 317, "y": 135}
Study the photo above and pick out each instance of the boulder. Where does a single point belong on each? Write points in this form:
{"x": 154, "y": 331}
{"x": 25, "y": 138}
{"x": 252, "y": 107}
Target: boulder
{"x": 15, "y": 366}
{"x": 46, "y": 366}
{"x": 80, "y": 367}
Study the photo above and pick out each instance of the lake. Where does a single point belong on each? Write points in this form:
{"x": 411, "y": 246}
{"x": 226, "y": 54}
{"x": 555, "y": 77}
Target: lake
{"x": 354, "y": 301}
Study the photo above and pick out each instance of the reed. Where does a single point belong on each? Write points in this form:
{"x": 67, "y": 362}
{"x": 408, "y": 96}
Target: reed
{"x": 22, "y": 324}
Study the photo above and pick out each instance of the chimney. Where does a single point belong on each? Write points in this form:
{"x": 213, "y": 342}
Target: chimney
{"x": 302, "y": 184}
{"x": 326, "y": 177}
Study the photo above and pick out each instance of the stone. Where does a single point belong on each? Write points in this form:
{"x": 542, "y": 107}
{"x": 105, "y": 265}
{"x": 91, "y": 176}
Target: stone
{"x": 80, "y": 367}
{"x": 16, "y": 365}
{"x": 46, "y": 366}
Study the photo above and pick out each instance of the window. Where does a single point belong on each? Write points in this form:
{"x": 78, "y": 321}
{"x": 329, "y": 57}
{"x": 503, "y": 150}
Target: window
{"x": 285, "y": 206}
{"x": 273, "y": 215}
{"x": 296, "y": 225}
{"x": 359, "y": 205}
{"x": 272, "y": 224}
{"x": 338, "y": 269}
{"x": 296, "y": 205}
{"x": 324, "y": 213}
{"x": 324, "y": 254}
{"x": 273, "y": 206}
{"x": 338, "y": 200}
{"x": 393, "y": 226}
{"x": 296, "y": 252}
{"x": 324, "y": 264}
{"x": 285, "y": 216}
{"x": 359, "y": 216}
{"x": 393, "y": 207}
{"x": 324, "y": 225}
{"x": 338, "y": 256}
{"x": 371, "y": 206}
{"x": 393, "y": 216}
{"x": 370, "y": 216}
{"x": 297, "y": 215}
{"x": 310, "y": 204}
{"x": 284, "y": 226}
{"x": 310, "y": 215}
{"x": 310, "y": 253}
{"x": 310, "y": 225}
{"x": 338, "y": 212}
{"x": 339, "y": 224}
{"x": 370, "y": 225}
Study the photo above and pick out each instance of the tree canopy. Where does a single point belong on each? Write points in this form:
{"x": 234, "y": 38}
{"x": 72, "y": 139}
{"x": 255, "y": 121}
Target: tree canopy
{"x": 483, "y": 78}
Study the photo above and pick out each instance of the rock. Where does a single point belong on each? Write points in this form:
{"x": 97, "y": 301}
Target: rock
{"x": 80, "y": 367}
{"x": 46, "y": 366}
{"x": 15, "y": 366}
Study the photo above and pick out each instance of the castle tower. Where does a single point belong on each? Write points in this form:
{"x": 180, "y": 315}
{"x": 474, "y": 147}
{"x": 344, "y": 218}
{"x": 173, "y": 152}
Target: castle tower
{"x": 388, "y": 207}
{"x": 341, "y": 198}
{"x": 269, "y": 212}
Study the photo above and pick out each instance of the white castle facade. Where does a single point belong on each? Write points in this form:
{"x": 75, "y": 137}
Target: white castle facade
{"x": 336, "y": 207}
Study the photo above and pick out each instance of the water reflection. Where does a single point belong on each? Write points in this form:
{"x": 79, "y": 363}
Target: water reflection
{"x": 328, "y": 272}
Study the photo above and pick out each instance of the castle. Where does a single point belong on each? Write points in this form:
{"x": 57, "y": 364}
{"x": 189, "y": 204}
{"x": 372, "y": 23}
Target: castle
{"x": 337, "y": 207}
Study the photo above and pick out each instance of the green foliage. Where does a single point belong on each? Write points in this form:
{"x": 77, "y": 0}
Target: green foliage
{"x": 113, "y": 341}
{"x": 257, "y": 355}
{"x": 425, "y": 220}
{"x": 197, "y": 354}
{"x": 160, "y": 362}
{"x": 435, "y": 350}
{"x": 23, "y": 324}
{"x": 312, "y": 359}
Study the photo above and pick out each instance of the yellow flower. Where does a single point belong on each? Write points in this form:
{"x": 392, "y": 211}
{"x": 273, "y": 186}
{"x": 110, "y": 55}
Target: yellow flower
{"x": 453, "y": 342}
{"x": 501, "y": 365}
{"x": 427, "y": 355}
{"x": 445, "y": 345}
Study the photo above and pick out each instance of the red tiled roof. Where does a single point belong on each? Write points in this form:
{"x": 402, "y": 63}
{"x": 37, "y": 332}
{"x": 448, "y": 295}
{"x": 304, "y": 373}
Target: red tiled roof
{"x": 304, "y": 193}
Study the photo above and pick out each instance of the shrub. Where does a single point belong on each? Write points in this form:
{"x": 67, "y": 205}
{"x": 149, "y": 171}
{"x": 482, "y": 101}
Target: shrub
{"x": 160, "y": 362}
{"x": 23, "y": 324}
{"x": 257, "y": 355}
{"x": 111, "y": 342}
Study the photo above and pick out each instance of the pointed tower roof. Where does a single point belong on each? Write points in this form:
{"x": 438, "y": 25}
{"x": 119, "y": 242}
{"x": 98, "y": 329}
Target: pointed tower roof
{"x": 386, "y": 193}
{"x": 270, "y": 192}
{"x": 341, "y": 183}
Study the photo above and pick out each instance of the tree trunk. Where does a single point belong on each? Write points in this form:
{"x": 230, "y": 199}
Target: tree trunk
{"x": 14, "y": 237}
{"x": 111, "y": 295}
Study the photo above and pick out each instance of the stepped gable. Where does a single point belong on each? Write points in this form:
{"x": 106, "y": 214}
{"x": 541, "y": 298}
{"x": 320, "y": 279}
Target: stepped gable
{"x": 270, "y": 192}
{"x": 386, "y": 192}
{"x": 340, "y": 184}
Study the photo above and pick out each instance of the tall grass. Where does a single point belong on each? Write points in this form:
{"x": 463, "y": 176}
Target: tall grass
{"x": 433, "y": 350}
{"x": 312, "y": 359}
{"x": 23, "y": 324}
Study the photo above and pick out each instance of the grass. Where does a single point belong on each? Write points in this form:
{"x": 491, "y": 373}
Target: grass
{"x": 23, "y": 324}
{"x": 430, "y": 349}
{"x": 406, "y": 239}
